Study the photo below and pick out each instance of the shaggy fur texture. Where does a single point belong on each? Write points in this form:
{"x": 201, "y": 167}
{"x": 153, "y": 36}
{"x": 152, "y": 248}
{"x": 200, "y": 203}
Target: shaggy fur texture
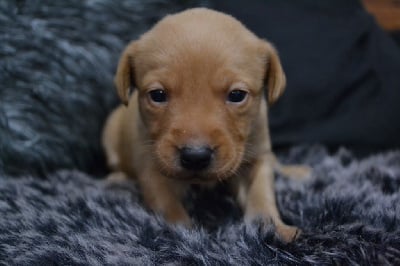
{"x": 56, "y": 68}
{"x": 349, "y": 211}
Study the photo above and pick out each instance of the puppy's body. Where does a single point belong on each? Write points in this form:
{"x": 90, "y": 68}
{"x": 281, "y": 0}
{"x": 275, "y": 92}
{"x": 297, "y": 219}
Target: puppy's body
{"x": 198, "y": 114}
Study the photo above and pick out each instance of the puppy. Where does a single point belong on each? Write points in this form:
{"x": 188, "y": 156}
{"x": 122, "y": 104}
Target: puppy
{"x": 193, "y": 90}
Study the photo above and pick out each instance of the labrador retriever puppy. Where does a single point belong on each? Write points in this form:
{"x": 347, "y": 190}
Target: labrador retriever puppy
{"x": 195, "y": 91}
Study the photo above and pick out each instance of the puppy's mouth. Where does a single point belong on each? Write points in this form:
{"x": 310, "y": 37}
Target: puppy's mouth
{"x": 193, "y": 178}
{"x": 199, "y": 164}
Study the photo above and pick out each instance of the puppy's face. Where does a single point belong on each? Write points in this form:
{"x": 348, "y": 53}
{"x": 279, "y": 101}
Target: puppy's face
{"x": 200, "y": 80}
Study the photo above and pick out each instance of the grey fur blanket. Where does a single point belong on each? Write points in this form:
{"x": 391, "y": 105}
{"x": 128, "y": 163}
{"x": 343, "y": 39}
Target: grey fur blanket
{"x": 57, "y": 60}
{"x": 349, "y": 212}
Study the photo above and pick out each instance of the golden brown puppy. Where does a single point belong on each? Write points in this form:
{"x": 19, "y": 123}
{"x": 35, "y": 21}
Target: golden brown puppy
{"x": 197, "y": 114}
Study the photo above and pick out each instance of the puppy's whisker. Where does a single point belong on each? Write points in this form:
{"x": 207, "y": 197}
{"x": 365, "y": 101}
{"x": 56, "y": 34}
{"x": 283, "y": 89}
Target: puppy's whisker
{"x": 246, "y": 160}
{"x": 156, "y": 156}
{"x": 250, "y": 150}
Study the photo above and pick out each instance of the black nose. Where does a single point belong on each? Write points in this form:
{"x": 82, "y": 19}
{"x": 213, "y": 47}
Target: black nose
{"x": 195, "y": 158}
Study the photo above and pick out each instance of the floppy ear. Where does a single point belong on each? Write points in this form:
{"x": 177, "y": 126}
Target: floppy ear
{"x": 125, "y": 77}
{"x": 275, "y": 77}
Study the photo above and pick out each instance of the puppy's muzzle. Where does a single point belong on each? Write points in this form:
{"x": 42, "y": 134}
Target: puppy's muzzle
{"x": 195, "y": 158}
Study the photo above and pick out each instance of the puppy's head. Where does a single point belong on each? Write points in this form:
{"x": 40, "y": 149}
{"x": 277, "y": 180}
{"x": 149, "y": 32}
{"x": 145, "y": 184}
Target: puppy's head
{"x": 200, "y": 77}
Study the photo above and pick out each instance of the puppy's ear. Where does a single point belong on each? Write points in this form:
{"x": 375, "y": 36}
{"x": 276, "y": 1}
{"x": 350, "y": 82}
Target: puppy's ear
{"x": 275, "y": 78}
{"x": 125, "y": 77}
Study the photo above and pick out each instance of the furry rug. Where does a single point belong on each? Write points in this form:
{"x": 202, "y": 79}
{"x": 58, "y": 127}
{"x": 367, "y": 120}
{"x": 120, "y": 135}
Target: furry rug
{"x": 56, "y": 67}
{"x": 349, "y": 211}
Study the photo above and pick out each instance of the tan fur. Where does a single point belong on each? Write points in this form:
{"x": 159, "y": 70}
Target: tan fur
{"x": 197, "y": 57}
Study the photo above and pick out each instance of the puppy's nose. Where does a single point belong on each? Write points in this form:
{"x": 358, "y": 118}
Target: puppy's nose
{"x": 196, "y": 158}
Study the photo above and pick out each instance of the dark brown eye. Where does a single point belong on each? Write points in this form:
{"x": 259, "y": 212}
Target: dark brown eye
{"x": 237, "y": 96}
{"x": 158, "y": 95}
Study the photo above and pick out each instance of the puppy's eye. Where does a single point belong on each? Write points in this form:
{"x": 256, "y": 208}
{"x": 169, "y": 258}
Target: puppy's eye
{"x": 158, "y": 95}
{"x": 237, "y": 96}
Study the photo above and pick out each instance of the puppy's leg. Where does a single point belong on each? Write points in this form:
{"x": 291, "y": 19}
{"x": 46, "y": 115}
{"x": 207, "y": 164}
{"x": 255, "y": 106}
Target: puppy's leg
{"x": 261, "y": 202}
{"x": 300, "y": 172}
{"x": 163, "y": 196}
{"x": 294, "y": 171}
{"x": 116, "y": 177}
{"x": 111, "y": 138}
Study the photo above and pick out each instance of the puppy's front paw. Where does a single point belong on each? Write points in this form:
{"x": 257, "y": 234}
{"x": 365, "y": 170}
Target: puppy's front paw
{"x": 288, "y": 233}
{"x": 285, "y": 232}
